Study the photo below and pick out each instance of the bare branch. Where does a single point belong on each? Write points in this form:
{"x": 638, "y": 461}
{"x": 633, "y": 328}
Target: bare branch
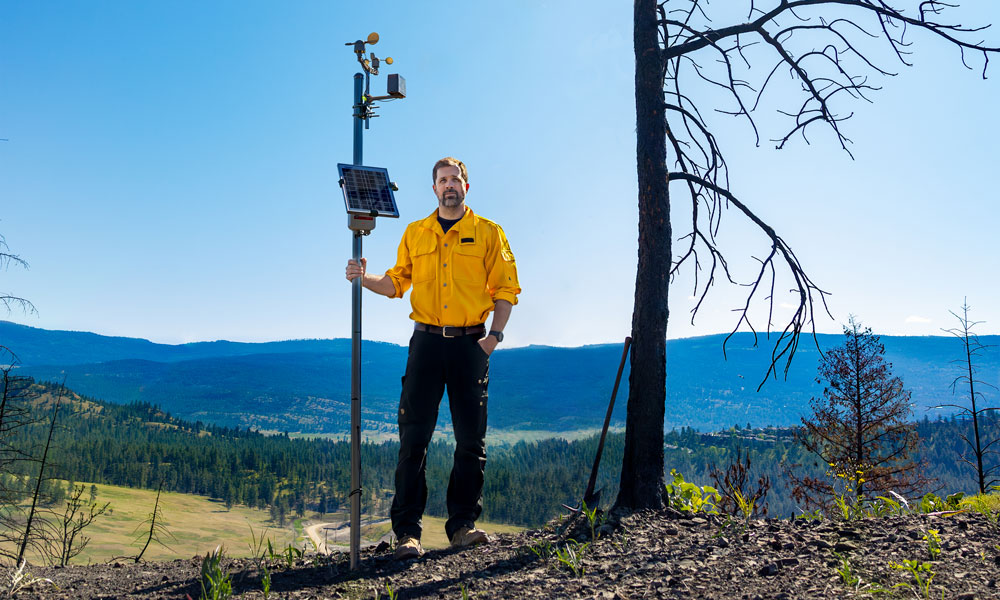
{"x": 806, "y": 289}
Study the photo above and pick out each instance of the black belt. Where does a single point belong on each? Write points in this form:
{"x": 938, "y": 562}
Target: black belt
{"x": 449, "y": 331}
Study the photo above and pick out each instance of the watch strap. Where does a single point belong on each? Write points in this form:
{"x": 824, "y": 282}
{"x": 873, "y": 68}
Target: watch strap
{"x": 497, "y": 334}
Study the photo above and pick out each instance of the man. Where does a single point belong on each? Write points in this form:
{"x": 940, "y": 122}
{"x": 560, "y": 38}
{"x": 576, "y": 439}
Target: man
{"x": 461, "y": 268}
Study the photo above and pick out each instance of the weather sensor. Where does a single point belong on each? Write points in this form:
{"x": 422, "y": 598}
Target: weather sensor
{"x": 368, "y": 194}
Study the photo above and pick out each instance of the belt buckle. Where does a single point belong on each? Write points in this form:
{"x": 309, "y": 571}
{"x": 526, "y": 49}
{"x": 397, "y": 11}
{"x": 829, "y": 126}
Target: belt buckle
{"x": 444, "y": 332}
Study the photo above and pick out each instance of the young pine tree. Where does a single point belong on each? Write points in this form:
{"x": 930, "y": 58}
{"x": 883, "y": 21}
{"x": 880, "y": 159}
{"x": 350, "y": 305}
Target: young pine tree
{"x": 860, "y": 427}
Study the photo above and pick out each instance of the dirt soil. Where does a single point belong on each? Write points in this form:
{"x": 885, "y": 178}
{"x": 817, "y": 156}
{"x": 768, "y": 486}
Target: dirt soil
{"x": 653, "y": 554}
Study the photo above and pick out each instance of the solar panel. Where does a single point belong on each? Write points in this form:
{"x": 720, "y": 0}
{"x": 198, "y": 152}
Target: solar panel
{"x": 367, "y": 189}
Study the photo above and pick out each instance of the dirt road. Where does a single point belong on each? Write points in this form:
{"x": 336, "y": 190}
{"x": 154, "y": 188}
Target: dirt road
{"x": 336, "y": 536}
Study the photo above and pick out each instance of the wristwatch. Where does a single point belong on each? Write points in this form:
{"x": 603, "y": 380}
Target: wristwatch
{"x": 497, "y": 334}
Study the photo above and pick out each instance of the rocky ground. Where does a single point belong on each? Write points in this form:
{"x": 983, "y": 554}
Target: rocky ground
{"x": 662, "y": 554}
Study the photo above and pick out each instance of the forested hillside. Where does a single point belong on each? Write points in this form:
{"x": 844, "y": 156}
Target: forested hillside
{"x": 138, "y": 446}
{"x": 304, "y": 386}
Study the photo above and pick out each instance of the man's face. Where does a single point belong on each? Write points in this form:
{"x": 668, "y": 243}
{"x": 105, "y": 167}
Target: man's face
{"x": 449, "y": 187}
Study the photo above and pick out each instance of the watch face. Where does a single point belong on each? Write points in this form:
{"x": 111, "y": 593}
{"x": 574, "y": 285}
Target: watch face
{"x": 498, "y": 335}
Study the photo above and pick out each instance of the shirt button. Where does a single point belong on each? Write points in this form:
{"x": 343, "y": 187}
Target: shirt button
{"x": 446, "y": 264}
{"x": 446, "y": 306}
{"x": 446, "y": 245}
{"x": 446, "y": 285}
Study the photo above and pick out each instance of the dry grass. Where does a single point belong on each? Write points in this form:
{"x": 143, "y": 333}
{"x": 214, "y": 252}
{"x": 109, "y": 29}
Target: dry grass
{"x": 197, "y": 523}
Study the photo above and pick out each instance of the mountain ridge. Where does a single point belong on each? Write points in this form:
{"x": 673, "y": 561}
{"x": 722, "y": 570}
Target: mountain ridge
{"x": 303, "y": 386}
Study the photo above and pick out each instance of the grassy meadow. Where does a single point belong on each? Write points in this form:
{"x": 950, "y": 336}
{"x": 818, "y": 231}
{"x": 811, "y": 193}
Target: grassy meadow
{"x": 445, "y": 433}
{"x": 198, "y": 524}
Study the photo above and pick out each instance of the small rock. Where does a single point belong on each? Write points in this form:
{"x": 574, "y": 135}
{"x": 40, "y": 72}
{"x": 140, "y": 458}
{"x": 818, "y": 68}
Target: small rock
{"x": 789, "y": 562}
{"x": 768, "y": 570}
{"x": 821, "y": 544}
{"x": 845, "y": 547}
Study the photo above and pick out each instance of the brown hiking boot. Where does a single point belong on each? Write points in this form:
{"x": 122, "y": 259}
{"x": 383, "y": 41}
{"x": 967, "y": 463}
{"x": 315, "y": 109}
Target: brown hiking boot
{"x": 408, "y": 547}
{"x": 469, "y": 536}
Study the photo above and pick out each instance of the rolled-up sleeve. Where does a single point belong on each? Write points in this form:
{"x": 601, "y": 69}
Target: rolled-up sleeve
{"x": 501, "y": 277}
{"x": 402, "y": 272}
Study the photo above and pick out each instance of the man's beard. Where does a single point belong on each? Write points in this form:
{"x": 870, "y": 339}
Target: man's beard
{"x": 452, "y": 198}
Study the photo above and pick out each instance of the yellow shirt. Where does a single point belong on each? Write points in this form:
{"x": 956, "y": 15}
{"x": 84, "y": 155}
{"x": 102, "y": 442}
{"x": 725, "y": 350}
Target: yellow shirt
{"x": 456, "y": 276}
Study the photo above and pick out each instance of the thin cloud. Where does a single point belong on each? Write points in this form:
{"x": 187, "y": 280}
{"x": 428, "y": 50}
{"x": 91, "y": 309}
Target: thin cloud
{"x": 917, "y": 319}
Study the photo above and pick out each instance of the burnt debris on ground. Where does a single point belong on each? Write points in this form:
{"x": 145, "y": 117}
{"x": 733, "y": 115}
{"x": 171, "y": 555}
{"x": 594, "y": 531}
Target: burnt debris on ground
{"x": 651, "y": 554}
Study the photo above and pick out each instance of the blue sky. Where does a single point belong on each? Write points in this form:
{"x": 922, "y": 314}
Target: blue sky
{"x": 170, "y": 170}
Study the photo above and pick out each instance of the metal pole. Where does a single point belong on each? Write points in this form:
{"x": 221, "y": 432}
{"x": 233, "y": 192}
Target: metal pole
{"x": 359, "y": 118}
{"x": 359, "y": 115}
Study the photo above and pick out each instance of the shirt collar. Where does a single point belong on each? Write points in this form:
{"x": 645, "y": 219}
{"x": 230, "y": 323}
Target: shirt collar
{"x": 466, "y": 224}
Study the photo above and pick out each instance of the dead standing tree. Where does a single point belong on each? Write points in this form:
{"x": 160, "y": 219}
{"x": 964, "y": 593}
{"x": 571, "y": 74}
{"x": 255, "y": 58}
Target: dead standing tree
{"x": 972, "y": 349}
{"x": 7, "y": 300}
{"x": 65, "y": 532}
{"x": 830, "y": 48}
{"x": 16, "y": 396}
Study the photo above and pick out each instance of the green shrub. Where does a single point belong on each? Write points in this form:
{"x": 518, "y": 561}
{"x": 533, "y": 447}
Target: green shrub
{"x": 688, "y": 497}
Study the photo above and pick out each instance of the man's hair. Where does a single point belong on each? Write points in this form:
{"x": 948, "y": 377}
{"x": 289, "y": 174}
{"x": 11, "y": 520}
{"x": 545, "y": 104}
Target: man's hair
{"x": 450, "y": 161}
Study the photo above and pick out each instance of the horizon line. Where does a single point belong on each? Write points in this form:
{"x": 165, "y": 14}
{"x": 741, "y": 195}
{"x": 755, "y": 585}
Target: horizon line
{"x": 761, "y": 336}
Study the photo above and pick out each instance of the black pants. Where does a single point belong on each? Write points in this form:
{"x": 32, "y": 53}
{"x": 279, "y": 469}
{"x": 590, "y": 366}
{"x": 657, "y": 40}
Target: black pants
{"x": 434, "y": 363}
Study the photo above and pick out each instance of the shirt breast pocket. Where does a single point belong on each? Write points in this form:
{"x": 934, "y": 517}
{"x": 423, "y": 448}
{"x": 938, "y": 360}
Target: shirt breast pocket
{"x": 424, "y": 258}
{"x": 470, "y": 263}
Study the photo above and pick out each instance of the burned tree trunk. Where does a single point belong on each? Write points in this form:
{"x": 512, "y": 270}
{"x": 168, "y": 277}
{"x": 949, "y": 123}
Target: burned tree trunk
{"x": 826, "y": 47}
{"x": 642, "y": 466}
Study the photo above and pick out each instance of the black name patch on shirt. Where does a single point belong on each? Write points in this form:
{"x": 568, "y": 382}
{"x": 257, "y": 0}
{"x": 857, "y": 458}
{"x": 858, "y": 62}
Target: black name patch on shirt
{"x": 468, "y": 240}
